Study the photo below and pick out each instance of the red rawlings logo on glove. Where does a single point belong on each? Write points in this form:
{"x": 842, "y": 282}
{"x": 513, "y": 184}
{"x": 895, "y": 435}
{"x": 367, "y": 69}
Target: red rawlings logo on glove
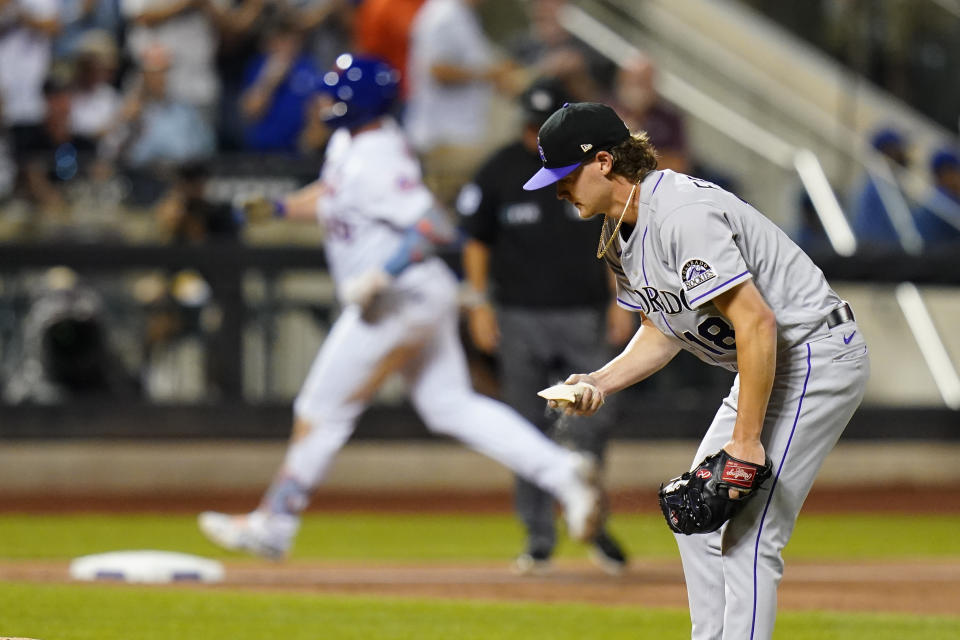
{"x": 738, "y": 474}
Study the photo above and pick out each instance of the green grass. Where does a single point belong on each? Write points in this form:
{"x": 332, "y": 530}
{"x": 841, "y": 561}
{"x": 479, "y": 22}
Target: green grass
{"x": 117, "y": 612}
{"x": 125, "y": 612}
{"x": 439, "y": 538}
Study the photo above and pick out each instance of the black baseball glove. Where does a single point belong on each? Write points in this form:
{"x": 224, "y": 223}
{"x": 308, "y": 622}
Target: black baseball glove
{"x": 699, "y": 501}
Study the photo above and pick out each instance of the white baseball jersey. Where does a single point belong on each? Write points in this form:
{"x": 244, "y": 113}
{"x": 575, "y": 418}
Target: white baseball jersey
{"x": 374, "y": 194}
{"x": 694, "y": 241}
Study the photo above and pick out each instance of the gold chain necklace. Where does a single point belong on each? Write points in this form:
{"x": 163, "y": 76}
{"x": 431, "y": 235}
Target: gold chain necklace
{"x": 602, "y": 248}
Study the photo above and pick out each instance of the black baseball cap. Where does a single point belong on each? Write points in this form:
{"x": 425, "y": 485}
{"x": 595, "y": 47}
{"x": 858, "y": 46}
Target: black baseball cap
{"x": 574, "y": 133}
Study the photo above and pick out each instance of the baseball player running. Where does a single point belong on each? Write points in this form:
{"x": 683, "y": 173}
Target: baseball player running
{"x": 709, "y": 274}
{"x": 400, "y": 315}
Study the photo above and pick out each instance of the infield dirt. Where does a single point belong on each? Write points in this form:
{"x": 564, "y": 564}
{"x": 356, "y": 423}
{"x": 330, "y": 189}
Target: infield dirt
{"x": 919, "y": 587}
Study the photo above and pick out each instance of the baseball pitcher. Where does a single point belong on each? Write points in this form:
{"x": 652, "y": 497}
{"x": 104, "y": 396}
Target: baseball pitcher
{"x": 710, "y": 274}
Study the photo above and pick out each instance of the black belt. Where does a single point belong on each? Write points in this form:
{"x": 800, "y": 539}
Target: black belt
{"x": 841, "y": 314}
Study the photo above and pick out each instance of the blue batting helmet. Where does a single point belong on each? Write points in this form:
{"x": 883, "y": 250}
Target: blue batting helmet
{"x": 362, "y": 89}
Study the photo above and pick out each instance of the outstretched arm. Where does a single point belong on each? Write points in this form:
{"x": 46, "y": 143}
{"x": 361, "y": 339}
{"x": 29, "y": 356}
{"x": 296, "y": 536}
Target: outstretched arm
{"x": 646, "y": 353}
{"x": 302, "y": 203}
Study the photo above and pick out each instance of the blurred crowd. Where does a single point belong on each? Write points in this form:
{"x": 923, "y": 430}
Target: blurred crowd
{"x": 108, "y": 100}
{"x": 888, "y": 218}
{"x": 95, "y": 89}
{"x": 109, "y": 106}
{"x": 907, "y": 48}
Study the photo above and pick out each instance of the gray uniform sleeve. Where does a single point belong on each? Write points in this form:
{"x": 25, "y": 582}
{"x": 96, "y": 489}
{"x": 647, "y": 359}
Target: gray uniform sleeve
{"x": 701, "y": 243}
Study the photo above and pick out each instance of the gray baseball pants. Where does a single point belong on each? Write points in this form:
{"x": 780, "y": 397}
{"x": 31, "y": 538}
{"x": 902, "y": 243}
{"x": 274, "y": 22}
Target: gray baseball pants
{"x": 732, "y": 574}
{"x": 539, "y": 348}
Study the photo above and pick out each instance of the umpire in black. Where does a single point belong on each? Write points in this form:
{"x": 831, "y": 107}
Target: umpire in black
{"x": 540, "y": 301}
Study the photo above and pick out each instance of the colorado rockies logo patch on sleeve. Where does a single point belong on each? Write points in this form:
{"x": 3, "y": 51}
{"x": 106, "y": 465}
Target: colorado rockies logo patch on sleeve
{"x": 695, "y": 272}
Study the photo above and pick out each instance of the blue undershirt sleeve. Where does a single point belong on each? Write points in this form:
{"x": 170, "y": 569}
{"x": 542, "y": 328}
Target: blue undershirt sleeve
{"x": 421, "y": 240}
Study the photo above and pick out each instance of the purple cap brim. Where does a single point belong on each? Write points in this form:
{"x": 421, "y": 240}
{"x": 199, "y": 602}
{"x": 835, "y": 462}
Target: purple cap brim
{"x": 546, "y": 177}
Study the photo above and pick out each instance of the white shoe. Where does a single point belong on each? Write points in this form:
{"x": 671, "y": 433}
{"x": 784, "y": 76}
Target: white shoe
{"x": 527, "y": 565}
{"x": 583, "y": 499}
{"x": 262, "y": 534}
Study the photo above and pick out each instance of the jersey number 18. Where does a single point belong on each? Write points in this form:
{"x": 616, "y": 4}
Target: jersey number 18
{"x": 713, "y": 331}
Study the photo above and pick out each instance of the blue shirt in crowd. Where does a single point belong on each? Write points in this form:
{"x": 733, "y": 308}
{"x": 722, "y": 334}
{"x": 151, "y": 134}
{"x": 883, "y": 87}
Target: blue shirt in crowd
{"x": 281, "y": 124}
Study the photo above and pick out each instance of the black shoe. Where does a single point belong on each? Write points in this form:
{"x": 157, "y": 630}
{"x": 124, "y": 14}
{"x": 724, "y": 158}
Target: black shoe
{"x": 607, "y": 554}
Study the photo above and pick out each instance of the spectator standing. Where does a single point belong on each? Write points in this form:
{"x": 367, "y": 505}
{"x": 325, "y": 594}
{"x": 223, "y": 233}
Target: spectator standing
{"x": 452, "y": 77}
{"x": 639, "y": 105}
{"x": 79, "y": 17}
{"x": 382, "y": 29}
{"x": 327, "y": 26}
{"x": 809, "y": 233}
{"x": 543, "y": 304}
{"x": 26, "y": 28}
{"x": 279, "y": 83}
{"x": 239, "y": 32}
{"x": 96, "y": 102}
{"x": 872, "y": 222}
{"x": 548, "y": 49}
{"x": 186, "y": 29}
{"x": 938, "y": 218}
{"x": 156, "y": 129}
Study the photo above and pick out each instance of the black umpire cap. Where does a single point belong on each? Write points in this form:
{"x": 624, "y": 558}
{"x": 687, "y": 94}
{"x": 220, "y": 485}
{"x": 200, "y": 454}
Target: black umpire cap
{"x": 575, "y": 133}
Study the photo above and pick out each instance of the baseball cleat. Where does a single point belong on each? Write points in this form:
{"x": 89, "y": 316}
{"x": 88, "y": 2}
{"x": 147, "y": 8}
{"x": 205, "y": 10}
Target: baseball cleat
{"x": 531, "y": 564}
{"x": 607, "y": 554}
{"x": 583, "y": 500}
{"x": 261, "y": 534}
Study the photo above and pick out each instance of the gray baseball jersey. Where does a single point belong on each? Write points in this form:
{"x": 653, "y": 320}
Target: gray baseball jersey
{"x": 689, "y": 247}
{"x": 692, "y": 242}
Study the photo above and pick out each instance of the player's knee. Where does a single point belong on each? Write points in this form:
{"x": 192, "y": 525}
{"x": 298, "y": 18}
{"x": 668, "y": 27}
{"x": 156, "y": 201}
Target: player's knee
{"x": 440, "y": 413}
{"x": 315, "y": 410}
{"x": 308, "y": 426}
{"x": 301, "y": 429}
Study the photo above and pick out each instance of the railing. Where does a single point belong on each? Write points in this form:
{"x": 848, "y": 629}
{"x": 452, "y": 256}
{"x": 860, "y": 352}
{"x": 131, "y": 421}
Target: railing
{"x": 727, "y": 121}
{"x": 242, "y": 309}
{"x": 904, "y": 47}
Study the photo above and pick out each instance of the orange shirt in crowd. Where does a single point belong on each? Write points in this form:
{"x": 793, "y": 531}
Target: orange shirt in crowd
{"x": 382, "y": 29}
